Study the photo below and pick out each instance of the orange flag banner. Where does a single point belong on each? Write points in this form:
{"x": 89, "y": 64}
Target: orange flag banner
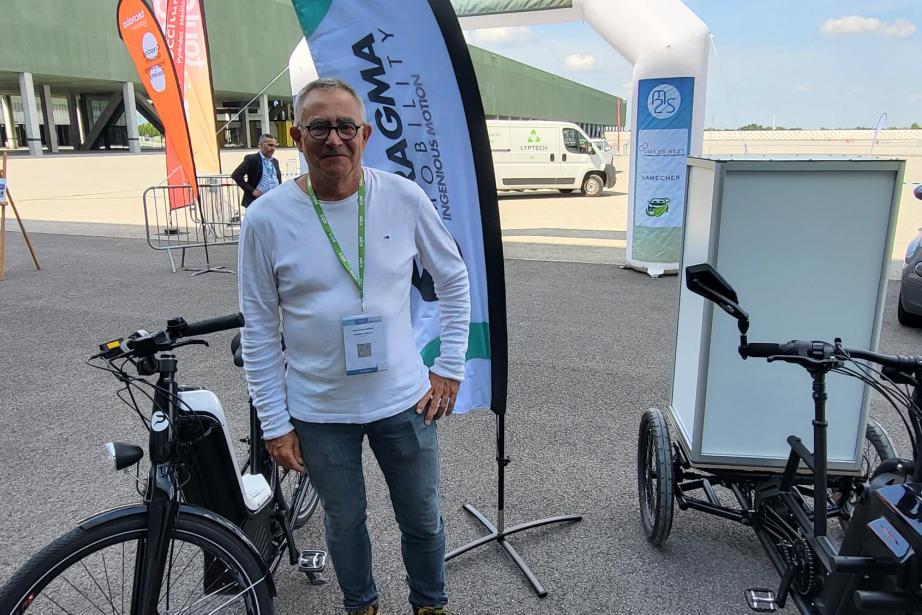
{"x": 183, "y": 25}
{"x": 145, "y": 42}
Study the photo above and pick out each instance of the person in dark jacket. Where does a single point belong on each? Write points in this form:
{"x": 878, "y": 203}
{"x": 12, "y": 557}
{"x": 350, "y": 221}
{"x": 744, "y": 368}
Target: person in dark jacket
{"x": 260, "y": 172}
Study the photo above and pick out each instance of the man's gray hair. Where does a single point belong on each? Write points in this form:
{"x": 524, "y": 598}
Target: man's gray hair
{"x": 326, "y": 84}
{"x": 265, "y": 137}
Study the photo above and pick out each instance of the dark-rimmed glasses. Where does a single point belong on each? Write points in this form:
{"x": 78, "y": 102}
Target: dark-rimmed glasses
{"x": 319, "y": 131}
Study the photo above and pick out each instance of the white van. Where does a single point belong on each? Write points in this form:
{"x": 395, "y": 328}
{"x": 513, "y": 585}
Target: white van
{"x": 536, "y": 154}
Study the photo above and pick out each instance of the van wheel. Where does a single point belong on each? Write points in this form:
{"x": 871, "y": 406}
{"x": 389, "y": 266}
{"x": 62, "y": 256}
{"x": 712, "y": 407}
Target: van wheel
{"x": 592, "y": 185}
{"x": 565, "y": 190}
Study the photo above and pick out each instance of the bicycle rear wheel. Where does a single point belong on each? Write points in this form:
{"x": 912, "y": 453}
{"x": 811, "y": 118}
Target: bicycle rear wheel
{"x": 92, "y": 570}
{"x": 300, "y": 496}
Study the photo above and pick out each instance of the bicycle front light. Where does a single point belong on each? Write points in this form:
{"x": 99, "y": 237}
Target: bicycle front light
{"x": 123, "y": 455}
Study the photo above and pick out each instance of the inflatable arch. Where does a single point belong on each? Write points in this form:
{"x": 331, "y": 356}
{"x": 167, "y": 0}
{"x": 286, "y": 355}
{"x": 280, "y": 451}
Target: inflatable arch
{"x": 668, "y": 47}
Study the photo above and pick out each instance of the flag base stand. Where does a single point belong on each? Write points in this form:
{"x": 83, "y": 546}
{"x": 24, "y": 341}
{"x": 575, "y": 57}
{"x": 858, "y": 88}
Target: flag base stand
{"x": 208, "y": 268}
{"x": 499, "y": 532}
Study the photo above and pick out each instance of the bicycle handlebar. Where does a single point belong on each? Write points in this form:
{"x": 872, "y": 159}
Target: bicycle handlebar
{"x": 142, "y": 343}
{"x": 898, "y": 361}
{"x": 213, "y": 325}
{"x": 815, "y": 351}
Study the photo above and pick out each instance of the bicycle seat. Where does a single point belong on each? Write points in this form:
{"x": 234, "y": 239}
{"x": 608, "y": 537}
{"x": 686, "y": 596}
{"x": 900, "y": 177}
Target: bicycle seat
{"x": 237, "y": 351}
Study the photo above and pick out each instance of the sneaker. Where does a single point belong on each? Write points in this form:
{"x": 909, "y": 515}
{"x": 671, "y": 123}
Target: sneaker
{"x": 371, "y": 610}
{"x": 431, "y": 610}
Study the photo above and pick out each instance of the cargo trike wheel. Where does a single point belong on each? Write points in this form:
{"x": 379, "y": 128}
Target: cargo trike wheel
{"x": 654, "y": 476}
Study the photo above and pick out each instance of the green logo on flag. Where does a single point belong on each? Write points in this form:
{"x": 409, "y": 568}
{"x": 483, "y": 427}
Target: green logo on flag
{"x": 533, "y": 137}
{"x": 657, "y": 207}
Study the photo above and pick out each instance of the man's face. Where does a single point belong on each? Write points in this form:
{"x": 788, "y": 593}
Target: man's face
{"x": 332, "y": 158}
{"x": 267, "y": 147}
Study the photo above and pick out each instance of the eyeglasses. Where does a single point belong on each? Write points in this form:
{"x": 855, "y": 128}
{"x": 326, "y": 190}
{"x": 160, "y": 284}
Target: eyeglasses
{"x": 319, "y": 131}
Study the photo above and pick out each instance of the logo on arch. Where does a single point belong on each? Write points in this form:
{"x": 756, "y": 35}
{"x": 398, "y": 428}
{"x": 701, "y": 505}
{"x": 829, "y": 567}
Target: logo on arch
{"x": 664, "y": 101}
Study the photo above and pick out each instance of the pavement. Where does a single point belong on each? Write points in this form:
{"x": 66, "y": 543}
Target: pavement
{"x": 590, "y": 349}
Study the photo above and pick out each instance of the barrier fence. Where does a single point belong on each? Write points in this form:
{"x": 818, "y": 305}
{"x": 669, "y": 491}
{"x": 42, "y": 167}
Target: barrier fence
{"x": 213, "y": 222}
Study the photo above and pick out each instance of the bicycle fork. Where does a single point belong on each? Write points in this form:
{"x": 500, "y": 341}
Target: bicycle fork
{"x": 154, "y": 548}
{"x": 162, "y": 500}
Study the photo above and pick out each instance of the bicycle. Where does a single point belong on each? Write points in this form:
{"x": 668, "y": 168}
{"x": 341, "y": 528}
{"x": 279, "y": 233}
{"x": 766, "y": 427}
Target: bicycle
{"x": 296, "y": 487}
{"x": 206, "y": 538}
{"x": 876, "y": 568}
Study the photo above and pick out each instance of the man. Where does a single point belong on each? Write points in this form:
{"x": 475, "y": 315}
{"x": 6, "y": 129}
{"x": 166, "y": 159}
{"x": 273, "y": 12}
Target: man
{"x": 353, "y": 369}
{"x": 260, "y": 172}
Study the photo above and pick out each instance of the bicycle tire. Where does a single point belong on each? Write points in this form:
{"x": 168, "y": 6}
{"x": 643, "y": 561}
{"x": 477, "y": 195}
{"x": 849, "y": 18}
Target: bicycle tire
{"x": 291, "y": 483}
{"x": 303, "y": 489}
{"x": 655, "y": 480}
{"x": 24, "y": 593}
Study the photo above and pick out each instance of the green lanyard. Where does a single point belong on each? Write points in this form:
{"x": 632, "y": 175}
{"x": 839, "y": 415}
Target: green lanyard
{"x": 360, "y": 278}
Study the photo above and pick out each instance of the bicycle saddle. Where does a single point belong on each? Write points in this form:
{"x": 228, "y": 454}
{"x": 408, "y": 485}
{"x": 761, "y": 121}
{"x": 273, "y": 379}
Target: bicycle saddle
{"x": 237, "y": 351}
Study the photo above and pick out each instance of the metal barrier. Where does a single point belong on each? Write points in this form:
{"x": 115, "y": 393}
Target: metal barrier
{"x": 214, "y": 221}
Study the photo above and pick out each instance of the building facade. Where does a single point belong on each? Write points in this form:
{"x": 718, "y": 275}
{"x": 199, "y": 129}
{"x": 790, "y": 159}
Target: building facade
{"x": 63, "y": 60}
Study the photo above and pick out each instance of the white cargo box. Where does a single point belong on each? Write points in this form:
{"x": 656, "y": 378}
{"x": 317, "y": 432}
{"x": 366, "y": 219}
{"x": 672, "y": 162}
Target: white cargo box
{"x": 806, "y": 243}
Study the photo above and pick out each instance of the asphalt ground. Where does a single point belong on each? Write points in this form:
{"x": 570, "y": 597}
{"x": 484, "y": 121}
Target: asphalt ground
{"x": 590, "y": 349}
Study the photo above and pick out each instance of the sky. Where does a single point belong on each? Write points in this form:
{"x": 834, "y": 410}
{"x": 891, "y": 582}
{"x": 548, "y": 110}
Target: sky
{"x": 799, "y": 63}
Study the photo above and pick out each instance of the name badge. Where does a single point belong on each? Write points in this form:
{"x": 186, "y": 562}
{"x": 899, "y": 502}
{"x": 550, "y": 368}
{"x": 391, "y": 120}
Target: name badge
{"x": 365, "y": 343}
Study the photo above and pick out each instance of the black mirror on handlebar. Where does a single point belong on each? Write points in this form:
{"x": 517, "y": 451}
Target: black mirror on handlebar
{"x": 704, "y": 280}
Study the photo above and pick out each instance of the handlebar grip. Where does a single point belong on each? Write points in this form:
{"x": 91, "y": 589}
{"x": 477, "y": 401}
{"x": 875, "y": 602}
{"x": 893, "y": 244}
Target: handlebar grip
{"x": 213, "y": 325}
{"x": 762, "y": 350}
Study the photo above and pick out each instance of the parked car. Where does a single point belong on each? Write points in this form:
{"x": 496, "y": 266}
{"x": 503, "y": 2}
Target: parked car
{"x": 605, "y": 149}
{"x": 909, "y": 306}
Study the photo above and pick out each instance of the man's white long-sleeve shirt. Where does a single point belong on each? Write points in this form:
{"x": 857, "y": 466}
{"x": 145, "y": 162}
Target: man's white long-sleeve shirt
{"x": 288, "y": 270}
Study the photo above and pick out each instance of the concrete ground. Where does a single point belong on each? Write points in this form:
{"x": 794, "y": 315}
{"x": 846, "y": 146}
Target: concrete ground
{"x": 586, "y": 359}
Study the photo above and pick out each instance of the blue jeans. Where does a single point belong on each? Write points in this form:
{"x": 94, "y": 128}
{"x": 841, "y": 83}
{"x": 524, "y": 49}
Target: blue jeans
{"x": 407, "y": 451}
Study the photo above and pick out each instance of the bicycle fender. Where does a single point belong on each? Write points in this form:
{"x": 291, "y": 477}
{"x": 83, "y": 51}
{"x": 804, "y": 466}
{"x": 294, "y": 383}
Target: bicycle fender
{"x": 184, "y": 510}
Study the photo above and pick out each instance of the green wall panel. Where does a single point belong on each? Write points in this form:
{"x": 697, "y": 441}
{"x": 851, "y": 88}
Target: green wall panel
{"x": 510, "y": 88}
{"x": 250, "y": 41}
{"x": 466, "y": 8}
{"x": 69, "y": 41}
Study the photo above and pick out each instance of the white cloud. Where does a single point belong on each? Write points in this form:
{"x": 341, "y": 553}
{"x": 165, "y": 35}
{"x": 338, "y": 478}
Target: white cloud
{"x": 580, "y": 62}
{"x": 502, "y": 37}
{"x": 855, "y": 24}
{"x": 802, "y": 88}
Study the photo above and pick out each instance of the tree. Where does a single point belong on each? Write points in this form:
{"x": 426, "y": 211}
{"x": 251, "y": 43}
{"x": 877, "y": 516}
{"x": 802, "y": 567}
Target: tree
{"x": 915, "y": 126}
{"x": 148, "y": 130}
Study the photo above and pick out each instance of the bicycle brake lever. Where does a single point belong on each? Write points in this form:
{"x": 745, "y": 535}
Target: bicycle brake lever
{"x": 190, "y": 343}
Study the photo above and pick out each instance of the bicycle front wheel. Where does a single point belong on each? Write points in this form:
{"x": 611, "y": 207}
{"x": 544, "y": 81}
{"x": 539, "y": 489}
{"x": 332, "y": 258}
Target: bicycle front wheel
{"x": 92, "y": 570}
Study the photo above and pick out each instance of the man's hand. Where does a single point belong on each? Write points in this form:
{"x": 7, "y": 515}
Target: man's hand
{"x": 286, "y": 451}
{"x": 440, "y": 399}
{"x": 257, "y": 193}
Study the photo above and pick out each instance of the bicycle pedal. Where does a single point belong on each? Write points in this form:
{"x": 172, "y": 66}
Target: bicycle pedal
{"x": 761, "y": 600}
{"x": 312, "y": 562}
